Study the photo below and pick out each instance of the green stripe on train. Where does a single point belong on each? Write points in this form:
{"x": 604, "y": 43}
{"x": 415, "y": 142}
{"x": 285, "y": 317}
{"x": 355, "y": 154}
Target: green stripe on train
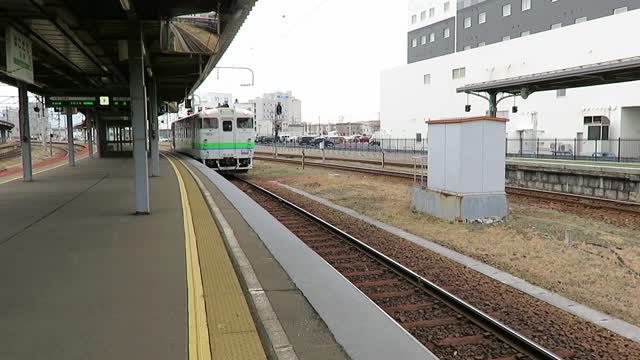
{"x": 230, "y": 145}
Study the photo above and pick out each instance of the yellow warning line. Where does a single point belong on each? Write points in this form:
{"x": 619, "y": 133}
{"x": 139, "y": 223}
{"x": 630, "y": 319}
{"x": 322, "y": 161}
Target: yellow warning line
{"x": 199, "y": 347}
{"x": 232, "y": 331}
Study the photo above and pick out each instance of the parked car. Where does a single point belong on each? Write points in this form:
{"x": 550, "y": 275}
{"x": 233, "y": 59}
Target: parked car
{"x": 327, "y": 142}
{"x": 363, "y": 138}
{"x": 306, "y": 140}
{"x": 266, "y": 140}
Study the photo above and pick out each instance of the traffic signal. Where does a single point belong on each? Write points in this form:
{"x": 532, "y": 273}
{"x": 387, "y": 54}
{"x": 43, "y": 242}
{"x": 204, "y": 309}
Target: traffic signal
{"x": 187, "y": 103}
{"x": 279, "y": 109}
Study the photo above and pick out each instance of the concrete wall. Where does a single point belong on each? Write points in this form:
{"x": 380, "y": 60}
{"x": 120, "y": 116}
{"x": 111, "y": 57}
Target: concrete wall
{"x": 630, "y": 126}
{"x": 406, "y": 102}
{"x": 610, "y": 185}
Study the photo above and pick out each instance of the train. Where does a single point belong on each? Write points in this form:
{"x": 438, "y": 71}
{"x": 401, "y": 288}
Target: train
{"x": 222, "y": 138}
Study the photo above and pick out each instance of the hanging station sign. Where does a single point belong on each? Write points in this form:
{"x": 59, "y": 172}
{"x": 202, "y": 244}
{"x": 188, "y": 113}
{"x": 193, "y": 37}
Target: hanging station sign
{"x": 19, "y": 55}
{"x": 100, "y": 102}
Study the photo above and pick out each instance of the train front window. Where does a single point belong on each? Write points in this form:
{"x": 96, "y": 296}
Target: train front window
{"x": 227, "y": 125}
{"x": 245, "y": 123}
{"x": 210, "y": 123}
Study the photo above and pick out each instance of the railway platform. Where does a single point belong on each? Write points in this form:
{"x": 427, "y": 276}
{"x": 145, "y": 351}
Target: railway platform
{"x": 205, "y": 275}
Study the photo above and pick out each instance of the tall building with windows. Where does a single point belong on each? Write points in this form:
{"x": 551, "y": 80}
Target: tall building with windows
{"x": 441, "y": 27}
{"x": 453, "y": 43}
{"x": 265, "y": 111}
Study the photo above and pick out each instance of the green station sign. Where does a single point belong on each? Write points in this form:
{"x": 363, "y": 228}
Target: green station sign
{"x": 101, "y": 102}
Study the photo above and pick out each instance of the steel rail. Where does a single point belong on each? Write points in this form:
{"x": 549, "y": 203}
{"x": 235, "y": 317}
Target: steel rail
{"x": 502, "y": 331}
{"x": 620, "y": 205}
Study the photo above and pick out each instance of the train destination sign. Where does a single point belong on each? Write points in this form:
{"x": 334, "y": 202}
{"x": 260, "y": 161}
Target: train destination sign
{"x": 89, "y": 101}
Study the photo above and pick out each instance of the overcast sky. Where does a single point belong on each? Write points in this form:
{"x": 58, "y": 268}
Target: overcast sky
{"x": 329, "y": 53}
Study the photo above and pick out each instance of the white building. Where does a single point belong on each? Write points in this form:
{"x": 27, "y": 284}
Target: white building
{"x": 265, "y": 111}
{"x": 213, "y": 100}
{"x": 478, "y": 41}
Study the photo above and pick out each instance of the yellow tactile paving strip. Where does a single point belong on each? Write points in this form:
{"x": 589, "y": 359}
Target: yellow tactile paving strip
{"x": 232, "y": 332}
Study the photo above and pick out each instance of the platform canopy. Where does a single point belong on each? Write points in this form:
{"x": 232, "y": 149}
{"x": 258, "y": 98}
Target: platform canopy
{"x": 79, "y": 47}
{"x": 5, "y": 125}
{"x": 609, "y": 72}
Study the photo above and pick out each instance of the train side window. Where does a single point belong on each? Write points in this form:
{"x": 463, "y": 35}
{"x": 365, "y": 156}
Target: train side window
{"x": 198, "y": 123}
{"x": 245, "y": 123}
{"x": 227, "y": 125}
{"x": 214, "y": 123}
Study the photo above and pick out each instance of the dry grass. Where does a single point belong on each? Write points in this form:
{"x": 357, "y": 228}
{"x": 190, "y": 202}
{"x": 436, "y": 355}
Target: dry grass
{"x": 38, "y": 153}
{"x": 601, "y": 269}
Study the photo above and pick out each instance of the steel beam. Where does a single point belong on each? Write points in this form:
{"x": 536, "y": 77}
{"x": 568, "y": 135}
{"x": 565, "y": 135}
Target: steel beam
{"x": 138, "y": 116}
{"x": 25, "y": 132}
{"x": 153, "y": 122}
{"x": 70, "y": 147}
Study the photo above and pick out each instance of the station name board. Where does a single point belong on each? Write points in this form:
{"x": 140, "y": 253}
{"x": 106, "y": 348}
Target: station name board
{"x": 89, "y": 101}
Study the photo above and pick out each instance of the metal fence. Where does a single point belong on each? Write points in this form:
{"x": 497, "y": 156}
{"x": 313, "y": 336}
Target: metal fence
{"x": 616, "y": 150}
{"x": 415, "y": 146}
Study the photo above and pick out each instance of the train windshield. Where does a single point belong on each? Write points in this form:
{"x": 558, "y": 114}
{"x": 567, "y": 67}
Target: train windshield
{"x": 227, "y": 125}
{"x": 210, "y": 123}
{"x": 245, "y": 123}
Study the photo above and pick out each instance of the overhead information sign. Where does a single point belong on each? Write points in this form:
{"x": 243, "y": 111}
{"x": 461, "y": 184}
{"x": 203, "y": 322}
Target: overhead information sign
{"x": 105, "y": 102}
{"x": 19, "y": 56}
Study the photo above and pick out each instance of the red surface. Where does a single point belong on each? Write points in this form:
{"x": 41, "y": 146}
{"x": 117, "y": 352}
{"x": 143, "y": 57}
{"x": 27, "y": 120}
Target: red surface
{"x": 42, "y": 163}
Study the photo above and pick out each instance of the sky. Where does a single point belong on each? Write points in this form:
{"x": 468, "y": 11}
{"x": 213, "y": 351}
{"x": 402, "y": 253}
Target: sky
{"x": 329, "y": 53}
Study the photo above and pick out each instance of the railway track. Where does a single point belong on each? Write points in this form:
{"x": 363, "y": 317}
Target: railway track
{"x": 445, "y": 324}
{"x": 618, "y": 205}
{"x": 17, "y": 151}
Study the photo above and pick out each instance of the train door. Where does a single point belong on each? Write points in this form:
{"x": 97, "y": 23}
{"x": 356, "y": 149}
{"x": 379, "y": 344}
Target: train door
{"x": 227, "y": 141}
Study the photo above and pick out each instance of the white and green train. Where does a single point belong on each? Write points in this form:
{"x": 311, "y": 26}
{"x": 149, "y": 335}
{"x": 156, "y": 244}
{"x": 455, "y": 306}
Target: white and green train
{"x": 222, "y": 138}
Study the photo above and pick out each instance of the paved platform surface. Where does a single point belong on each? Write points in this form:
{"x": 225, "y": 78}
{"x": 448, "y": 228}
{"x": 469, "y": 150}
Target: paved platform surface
{"x": 307, "y": 332}
{"x": 82, "y": 278}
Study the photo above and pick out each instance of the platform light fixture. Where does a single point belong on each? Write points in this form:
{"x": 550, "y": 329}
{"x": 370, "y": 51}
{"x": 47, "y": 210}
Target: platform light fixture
{"x": 125, "y": 5}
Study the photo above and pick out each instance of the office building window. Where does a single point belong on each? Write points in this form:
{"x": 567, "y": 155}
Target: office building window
{"x": 432, "y": 12}
{"x": 414, "y": 42}
{"x": 482, "y": 18}
{"x": 525, "y": 33}
{"x": 414, "y": 19}
{"x": 447, "y": 33}
{"x": 447, "y": 6}
{"x": 423, "y": 39}
{"x": 432, "y": 37}
{"x": 482, "y": 44}
{"x": 467, "y": 23}
{"x": 506, "y": 38}
{"x": 459, "y": 73}
{"x": 526, "y": 5}
{"x": 426, "y": 79}
{"x": 468, "y": 47}
{"x": 561, "y": 92}
{"x": 506, "y": 10}
{"x": 556, "y": 26}
{"x": 620, "y": 10}
{"x": 423, "y": 15}
{"x": 581, "y": 20}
